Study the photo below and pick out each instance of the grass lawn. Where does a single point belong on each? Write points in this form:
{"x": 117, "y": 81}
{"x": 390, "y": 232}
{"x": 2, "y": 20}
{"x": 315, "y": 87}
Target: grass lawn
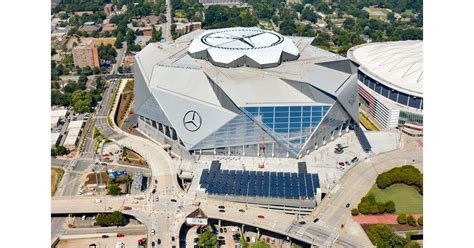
{"x": 407, "y": 200}
{"x": 179, "y": 14}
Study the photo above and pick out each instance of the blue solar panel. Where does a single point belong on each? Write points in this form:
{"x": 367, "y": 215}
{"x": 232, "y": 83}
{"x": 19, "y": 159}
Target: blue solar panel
{"x": 315, "y": 181}
{"x": 262, "y": 184}
{"x": 302, "y": 186}
{"x": 309, "y": 186}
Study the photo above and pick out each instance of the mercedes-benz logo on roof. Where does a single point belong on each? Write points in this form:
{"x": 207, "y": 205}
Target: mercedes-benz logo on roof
{"x": 192, "y": 121}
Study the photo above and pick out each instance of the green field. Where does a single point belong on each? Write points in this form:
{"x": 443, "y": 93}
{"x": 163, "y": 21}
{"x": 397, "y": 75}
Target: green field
{"x": 407, "y": 200}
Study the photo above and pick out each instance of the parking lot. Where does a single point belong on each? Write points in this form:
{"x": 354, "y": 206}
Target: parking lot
{"x": 128, "y": 240}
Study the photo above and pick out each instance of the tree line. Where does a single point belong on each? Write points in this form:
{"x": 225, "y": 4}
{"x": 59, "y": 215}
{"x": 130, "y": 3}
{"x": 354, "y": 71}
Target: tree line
{"x": 369, "y": 205}
{"x": 406, "y": 174}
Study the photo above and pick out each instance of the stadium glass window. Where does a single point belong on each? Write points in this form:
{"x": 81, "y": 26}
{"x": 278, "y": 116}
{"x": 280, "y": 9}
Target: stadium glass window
{"x": 403, "y": 98}
{"x": 281, "y": 114}
{"x": 167, "y": 131}
{"x": 266, "y": 109}
{"x": 281, "y": 109}
{"x": 160, "y": 127}
{"x": 153, "y": 124}
{"x": 252, "y": 110}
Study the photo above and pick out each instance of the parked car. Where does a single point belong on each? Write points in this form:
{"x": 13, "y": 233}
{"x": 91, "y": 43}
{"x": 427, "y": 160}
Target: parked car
{"x": 127, "y": 208}
{"x": 261, "y": 217}
{"x": 158, "y": 241}
{"x": 315, "y": 220}
{"x": 355, "y": 160}
{"x": 105, "y": 236}
{"x": 153, "y": 231}
{"x": 302, "y": 222}
{"x": 340, "y": 163}
{"x": 241, "y": 210}
{"x": 173, "y": 200}
{"x": 221, "y": 211}
{"x": 347, "y": 205}
{"x": 221, "y": 207}
{"x": 120, "y": 235}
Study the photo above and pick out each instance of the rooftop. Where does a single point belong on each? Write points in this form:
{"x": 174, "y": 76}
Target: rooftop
{"x": 234, "y": 47}
{"x": 397, "y": 63}
{"x": 163, "y": 65}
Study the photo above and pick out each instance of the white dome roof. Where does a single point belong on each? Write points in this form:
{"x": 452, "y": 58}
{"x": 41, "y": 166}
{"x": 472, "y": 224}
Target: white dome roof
{"x": 233, "y": 47}
{"x": 398, "y": 63}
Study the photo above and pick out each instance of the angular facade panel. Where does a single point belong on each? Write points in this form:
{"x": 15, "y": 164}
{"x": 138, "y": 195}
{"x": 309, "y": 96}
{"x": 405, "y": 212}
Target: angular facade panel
{"x": 207, "y": 117}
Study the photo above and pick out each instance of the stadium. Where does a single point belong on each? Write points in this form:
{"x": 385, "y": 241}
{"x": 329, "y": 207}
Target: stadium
{"x": 390, "y": 79}
{"x": 244, "y": 92}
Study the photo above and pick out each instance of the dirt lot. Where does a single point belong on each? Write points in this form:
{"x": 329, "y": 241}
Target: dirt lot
{"x": 125, "y": 99}
{"x": 91, "y": 178}
{"x": 56, "y": 175}
{"x": 133, "y": 158}
{"x": 129, "y": 241}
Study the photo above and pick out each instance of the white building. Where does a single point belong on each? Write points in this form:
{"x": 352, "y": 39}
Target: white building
{"x": 390, "y": 78}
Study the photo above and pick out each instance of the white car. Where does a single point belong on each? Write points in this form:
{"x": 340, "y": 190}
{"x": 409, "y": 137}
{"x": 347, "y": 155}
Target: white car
{"x": 153, "y": 232}
{"x": 119, "y": 245}
{"x": 98, "y": 201}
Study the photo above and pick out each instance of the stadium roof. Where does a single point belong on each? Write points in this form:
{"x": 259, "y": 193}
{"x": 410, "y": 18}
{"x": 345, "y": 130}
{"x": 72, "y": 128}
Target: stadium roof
{"x": 234, "y": 47}
{"x": 398, "y": 63}
{"x": 164, "y": 65}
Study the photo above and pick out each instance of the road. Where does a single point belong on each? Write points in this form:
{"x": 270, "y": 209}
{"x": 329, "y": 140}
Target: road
{"x": 355, "y": 184}
{"x": 169, "y": 21}
{"x": 119, "y": 59}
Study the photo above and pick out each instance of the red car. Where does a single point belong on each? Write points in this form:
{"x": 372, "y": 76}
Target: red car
{"x": 261, "y": 217}
{"x": 120, "y": 235}
{"x": 127, "y": 208}
{"x": 341, "y": 163}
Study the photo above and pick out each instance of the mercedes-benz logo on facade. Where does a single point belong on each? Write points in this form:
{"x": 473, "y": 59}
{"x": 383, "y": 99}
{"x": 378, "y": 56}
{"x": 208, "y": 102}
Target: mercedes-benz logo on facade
{"x": 192, "y": 121}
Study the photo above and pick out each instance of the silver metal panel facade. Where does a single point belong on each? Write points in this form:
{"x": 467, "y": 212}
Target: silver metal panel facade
{"x": 333, "y": 125}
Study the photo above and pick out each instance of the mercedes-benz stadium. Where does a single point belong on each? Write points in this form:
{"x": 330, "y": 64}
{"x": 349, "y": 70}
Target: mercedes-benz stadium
{"x": 390, "y": 76}
{"x": 244, "y": 92}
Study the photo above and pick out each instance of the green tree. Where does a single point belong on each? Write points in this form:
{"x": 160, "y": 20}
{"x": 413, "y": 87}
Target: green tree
{"x": 420, "y": 220}
{"x": 155, "y": 35}
{"x": 118, "y": 41}
{"x": 390, "y": 207}
{"x": 82, "y": 78}
{"x": 113, "y": 189}
{"x": 402, "y": 219}
{"x": 309, "y": 15}
{"x": 349, "y": 23}
{"x": 411, "y": 220}
{"x": 412, "y": 244}
{"x": 207, "y": 239}
{"x": 260, "y": 244}
{"x": 380, "y": 235}
{"x": 354, "y": 212}
{"x": 397, "y": 241}
{"x": 115, "y": 218}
